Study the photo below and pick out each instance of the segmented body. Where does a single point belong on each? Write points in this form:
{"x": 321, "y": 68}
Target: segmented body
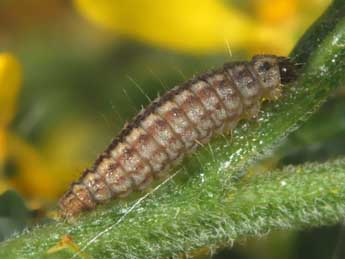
{"x": 173, "y": 125}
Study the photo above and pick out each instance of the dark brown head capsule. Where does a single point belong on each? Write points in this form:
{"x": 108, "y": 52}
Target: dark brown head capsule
{"x": 174, "y": 124}
{"x": 288, "y": 70}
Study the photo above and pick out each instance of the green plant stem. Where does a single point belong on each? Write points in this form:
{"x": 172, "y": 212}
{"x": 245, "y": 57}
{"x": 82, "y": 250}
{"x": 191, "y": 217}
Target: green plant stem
{"x": 292, "y": 198}
{"x": 208, "y": 204}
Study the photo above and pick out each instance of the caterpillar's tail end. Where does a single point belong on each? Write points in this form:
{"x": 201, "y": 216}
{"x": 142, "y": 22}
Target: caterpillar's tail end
{"x": 70, "y": 206}
{"x": 288, "y": 70}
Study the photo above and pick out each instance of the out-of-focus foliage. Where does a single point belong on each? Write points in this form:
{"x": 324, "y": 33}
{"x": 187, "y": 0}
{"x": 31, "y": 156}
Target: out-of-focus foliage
{"x": 13, "y": 213}
{"x": 76, "y": 88}
{"x": 17, "y": 16}
{"x": 23, "y": 168}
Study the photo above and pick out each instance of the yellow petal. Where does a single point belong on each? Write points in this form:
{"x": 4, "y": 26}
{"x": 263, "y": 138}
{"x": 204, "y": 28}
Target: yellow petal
{"x": 44, "y": 174}
{"x": 10, "y": 81}
{"x": 193, "y": 26}
{"x": 33, "y": 178}
{"x": 2, "y": 146}
{"x": 276, "y": 11}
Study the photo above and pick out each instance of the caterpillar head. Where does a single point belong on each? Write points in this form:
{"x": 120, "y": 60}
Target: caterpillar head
{"x": 273, "y": 72}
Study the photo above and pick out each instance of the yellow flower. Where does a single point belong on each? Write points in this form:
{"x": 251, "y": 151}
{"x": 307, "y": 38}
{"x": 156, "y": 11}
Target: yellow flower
{"x": 289, "y": 15}
{"x": 10, "y": 81}
{"x": 206, "y": 26}
{"x": 39, "y": 177}
{"x": 276, "y": 11}
{"x": 193, "y": 26}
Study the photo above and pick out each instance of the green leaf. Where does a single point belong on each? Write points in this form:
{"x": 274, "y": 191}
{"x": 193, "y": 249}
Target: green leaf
{"x": 321, "y": 138}
{"x": 208, "y": 203}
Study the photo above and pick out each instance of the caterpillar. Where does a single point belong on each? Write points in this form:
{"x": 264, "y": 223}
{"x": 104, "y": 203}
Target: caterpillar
{"x": 173, "y": 125}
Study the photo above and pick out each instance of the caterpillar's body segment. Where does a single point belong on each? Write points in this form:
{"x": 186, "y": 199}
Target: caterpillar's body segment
{"x": 174, "y": 124}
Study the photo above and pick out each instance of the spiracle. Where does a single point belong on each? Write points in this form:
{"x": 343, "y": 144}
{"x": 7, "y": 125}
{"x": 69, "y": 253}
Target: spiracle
{"x": 173, "y": 125}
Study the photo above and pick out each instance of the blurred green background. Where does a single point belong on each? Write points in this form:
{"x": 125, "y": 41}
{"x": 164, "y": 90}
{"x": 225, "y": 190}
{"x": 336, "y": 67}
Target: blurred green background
{"x": 89, "y": 66}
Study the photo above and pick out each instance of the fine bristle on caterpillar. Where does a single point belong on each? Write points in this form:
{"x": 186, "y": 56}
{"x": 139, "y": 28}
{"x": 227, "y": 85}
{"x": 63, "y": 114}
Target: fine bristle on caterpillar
{"x": 173, "y": 125}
